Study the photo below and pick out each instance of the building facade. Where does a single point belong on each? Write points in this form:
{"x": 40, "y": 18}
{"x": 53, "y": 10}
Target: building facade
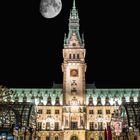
{"x": 74, "y": 110}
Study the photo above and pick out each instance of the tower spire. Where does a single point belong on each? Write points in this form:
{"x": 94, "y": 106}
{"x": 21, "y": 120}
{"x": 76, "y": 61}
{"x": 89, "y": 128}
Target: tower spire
{"x": 74, "y": 7}
{"x": 74, "y": 13}
{"x": 74, "y": 66}
{"x": 74, "y": 24}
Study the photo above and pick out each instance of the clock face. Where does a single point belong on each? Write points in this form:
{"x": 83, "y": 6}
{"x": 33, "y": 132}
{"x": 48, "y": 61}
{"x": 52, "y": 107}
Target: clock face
{"x": 74, "y": 72}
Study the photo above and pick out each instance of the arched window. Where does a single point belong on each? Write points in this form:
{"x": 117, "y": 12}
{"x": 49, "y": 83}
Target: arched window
{"x": 49, "y": 101}
{"x": 69, "y": 56}
{"x": 99, "y": 100}
{"x": 78, "y": 56}
{"x": 47, "y": 138}
{"x": 107, "y": 101}
{"x": 73, "y": 56}
{"x": 90, "y": 102}
{"x": 56, "y": 138}
{"x": 74, "y": 138}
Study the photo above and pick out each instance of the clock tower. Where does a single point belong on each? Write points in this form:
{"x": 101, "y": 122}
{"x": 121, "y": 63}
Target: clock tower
{"x": 74, "y": 66}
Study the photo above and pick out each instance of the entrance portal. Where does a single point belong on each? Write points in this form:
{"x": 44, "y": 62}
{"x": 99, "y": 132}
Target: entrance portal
{"x": 74, "y": 138}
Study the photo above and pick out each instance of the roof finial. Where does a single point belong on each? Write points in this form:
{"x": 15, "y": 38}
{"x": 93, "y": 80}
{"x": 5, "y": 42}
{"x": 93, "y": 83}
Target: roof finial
{"x": 74, "y": 7}
{"x": 83, "y": 38}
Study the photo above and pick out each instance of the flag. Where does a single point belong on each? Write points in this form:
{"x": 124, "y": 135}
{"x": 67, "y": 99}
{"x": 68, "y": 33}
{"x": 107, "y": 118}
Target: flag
{"x": 109, "y": 133}
{"x": 105, "y": 134}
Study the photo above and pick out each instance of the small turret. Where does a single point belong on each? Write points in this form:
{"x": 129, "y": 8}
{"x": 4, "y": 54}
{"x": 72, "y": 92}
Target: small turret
{"x": 123, "y": 99}
{"x": 99, "y": 100}
{"x": 90, "y": 100}
{"x": 57, "y": 100}
{"x": 138, "y": 97}
{"x": 107, "y": 100}
{"x": 74, "y": 24}
{"x": 16, "y": 98}
{"x": 41, "y": 100}
{"x": 33, "y": 99}
{"x": 49, "y": 100}
{"x": 24, "y": 98}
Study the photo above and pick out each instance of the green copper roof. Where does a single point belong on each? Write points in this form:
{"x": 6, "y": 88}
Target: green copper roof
{"x": 73, "y": 25}
{"x": 43, "y": 94}
{"x": 74, "y": 7}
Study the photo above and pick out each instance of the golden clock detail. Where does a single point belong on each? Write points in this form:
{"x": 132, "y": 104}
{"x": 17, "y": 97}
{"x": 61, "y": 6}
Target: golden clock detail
{"x": 74, "y": 72}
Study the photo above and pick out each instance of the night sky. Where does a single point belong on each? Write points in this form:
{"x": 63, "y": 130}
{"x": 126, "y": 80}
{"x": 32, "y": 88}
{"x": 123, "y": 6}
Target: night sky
{"x": 31, "y": 45}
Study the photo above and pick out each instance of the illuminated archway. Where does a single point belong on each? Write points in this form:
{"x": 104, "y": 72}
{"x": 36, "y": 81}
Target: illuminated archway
{"x": 74, "y": 138}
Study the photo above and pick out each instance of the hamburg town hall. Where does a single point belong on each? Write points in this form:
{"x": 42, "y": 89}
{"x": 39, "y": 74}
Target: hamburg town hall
{"x": 73, "y": 110}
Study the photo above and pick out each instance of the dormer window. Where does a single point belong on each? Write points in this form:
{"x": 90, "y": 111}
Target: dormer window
{"x": 16, "y": 98}
{"x": 123, "y": 99}
{"x": 107, "y": 101}
{"x": 131, "y": 99}
{"x": 57, "y": 101}
{"x": 138, "y": 98}
{"x": 90, "y": 100}
{"x": 24, "y": 98}
{"x": 49, "y": 100}
{"x": 99, "y": 101}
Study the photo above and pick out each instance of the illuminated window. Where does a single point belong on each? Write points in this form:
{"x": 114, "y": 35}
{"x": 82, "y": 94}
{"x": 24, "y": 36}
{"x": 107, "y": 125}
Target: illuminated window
{"x": 56, "y": 137}
{"x": 73, "y": 56}
{"x": 91, "y": 112}
{"x": 47, "y": 125}
{"x": 91, "y": 125}
{"x": 100, "y": 125}
{"x": 107, "y": 111}
{"x": 99, "y": 101}
{"x": 108, "y": 123}
{"x": 56, "y": 125}
{"x": 74, "y": 138}
{"x": 57, "y": 101}
{"x": 99, "y": 112}
{"x": 39, "y": 111}
{"x": 57, "y": 111}
{"x": 49, "y": 100}
{"x": 78, "y": 56}
{"x": 69, "y": 56}
{"x": 131, "y": 99}
{"x": 95, "y": 125}
{"x": 39, "y": 125}
{"x": 74, "y": 125}
{"x": 48, "y": 111}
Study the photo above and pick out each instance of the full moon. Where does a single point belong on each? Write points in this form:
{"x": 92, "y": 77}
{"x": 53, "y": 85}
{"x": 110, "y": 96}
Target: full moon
{"x": 50, "y": 8}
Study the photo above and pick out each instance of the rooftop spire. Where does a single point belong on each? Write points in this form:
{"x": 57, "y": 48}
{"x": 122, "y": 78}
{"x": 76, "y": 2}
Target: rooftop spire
{"x": 74, "y": 12}
{"x": 74, "y": 22}
{"x": 74, "y": 7}
{"x": 73, "y": 25}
